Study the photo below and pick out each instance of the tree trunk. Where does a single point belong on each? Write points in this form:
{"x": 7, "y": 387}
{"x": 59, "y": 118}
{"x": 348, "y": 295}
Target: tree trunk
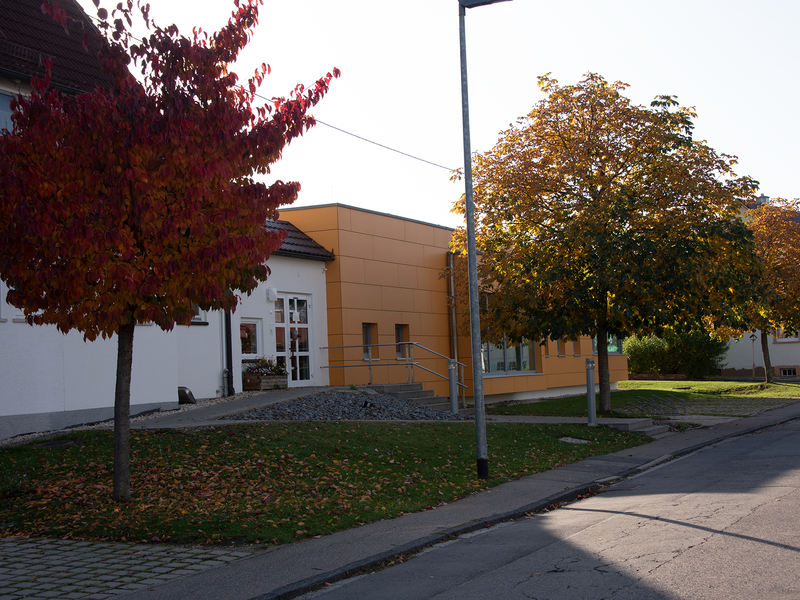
{"x": 122, "y": 414}
{"x": 603, "y": 373}
{"x": 765, "y": 352}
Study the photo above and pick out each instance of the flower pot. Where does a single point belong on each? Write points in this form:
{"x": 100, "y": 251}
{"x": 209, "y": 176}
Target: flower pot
{"x": 254, "y": 381}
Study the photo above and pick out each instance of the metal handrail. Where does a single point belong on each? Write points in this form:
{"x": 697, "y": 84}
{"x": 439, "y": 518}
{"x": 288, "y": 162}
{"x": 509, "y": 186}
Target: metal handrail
{"x": 393, "y": 364}
{"x": 409, "y": 363}
{"x": 370, "y": 346}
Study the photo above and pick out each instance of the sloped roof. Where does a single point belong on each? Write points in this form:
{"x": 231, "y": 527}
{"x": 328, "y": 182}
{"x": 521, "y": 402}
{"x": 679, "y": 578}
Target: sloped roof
{"x": 28, "y": 36}
{"x": 298, "y": 244}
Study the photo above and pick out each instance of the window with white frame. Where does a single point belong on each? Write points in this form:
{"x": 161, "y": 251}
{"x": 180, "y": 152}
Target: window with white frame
{"x": 786, "y": 335}
{"x": 508, "y": 358}
{"x": 200, "y": 317}
{"x": 250, "y": 339}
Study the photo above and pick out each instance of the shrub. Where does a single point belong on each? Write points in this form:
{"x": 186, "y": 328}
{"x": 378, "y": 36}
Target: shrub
{"x": 692, "y": 354}
{"x": 647, "y": 355}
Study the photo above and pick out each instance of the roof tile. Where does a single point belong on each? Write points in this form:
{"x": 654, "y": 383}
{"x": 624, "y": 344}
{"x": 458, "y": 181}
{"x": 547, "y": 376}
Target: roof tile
{"x": 28, "y": 36}
{"x": 298, "y": 243}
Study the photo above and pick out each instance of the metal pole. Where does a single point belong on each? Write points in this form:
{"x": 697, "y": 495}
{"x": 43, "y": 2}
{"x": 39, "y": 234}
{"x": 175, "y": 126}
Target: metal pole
{"x": 452, "y": 372}
{"x": 412, "y": 364}
{"x": 590, "y": 392}
{"x": 472, "y": 263}
{"x": 369, "y": 355}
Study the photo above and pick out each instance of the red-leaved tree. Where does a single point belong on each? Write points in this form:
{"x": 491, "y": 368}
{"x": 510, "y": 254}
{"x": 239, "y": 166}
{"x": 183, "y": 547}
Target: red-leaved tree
{"x": 129, "y": 204}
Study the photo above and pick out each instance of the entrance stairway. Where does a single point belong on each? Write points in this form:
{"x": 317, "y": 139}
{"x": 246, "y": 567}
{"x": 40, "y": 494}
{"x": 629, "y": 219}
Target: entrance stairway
{"x": 416, "y": 393}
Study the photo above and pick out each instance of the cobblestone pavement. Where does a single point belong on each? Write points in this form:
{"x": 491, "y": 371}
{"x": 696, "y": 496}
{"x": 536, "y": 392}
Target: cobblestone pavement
{"x": 40, "y": 568}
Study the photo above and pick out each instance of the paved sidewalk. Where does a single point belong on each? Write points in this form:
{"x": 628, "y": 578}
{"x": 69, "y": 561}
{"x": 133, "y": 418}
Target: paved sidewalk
{"x": 60, "y": 569}
{"x": 41, "y": 568}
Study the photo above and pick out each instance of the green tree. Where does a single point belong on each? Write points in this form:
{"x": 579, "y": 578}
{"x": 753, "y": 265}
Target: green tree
{"x": 128, "y": 205}
{"x": 599, "y": 217}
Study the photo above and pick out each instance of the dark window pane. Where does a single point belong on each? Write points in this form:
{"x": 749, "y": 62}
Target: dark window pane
{"x": 280, "y": 339}
{"x": 247, "y": 333}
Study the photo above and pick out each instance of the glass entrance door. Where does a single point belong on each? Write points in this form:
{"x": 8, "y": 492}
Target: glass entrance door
{"x": 292, "y": 338}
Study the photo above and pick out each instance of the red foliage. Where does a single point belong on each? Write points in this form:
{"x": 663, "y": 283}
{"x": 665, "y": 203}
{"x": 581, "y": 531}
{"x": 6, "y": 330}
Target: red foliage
{"x": 129, "y": 204}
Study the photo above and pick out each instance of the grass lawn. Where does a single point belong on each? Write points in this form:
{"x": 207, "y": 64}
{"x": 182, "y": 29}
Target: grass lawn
{"x": 730, "y": 398}
{"x": 270, "y": 483}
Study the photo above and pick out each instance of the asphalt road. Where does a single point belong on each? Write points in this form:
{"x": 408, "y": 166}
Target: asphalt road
{"x": 722, "y": 523}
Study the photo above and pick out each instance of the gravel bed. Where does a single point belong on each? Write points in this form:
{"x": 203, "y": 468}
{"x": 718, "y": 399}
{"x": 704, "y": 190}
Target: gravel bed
{"x": 346, "y": 405}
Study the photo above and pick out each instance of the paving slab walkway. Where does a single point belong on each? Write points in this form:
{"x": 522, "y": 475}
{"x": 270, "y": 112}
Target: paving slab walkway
{"x": 39, "y": 568}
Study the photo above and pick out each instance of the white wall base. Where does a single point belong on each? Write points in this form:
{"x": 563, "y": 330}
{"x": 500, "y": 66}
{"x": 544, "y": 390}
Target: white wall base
{"x": 14, "y": 425}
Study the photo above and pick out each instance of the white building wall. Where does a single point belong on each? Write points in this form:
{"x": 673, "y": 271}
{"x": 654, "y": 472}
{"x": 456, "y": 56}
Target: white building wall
{"x": 744, "y": 352}
{"x": 201, "y": 359}
{"x": 289, "y": 276}
{"x": 52, "y": 380}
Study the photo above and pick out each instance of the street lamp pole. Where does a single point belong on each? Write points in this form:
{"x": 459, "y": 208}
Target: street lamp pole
{"x": 472, "y": 258}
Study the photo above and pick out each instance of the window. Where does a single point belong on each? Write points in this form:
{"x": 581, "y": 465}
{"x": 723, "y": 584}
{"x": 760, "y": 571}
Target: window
{"x": 250, "y": 337}
{"x": 200, "y": 316}
{"x": 561, "y": 347}
{"x": 789, "y": 372}
{"x": 786, "y": 335}
{"x": 5, "y": 111}
{"x": 400, "y": 336}
{"x": 369, "y": 336}
{"x": 614, "y": 345}
{"x": 508, "y": 358}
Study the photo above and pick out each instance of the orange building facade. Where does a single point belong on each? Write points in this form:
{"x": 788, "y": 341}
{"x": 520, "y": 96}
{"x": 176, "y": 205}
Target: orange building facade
{"x": 388, "y": 285}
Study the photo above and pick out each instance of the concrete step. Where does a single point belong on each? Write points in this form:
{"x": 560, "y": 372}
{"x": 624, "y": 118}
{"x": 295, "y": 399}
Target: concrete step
{"x": 430, "y": 400}
{"x": 652, "y": 430}
{"x": 416, "y": 395}
{"x": 644, "y": 426}
{"x": 630, "y": 424}
{"x": 445, "y": 407}
{"x": 394, "y": 388}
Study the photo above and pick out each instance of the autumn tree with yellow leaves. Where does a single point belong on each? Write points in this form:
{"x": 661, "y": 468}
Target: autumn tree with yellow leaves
{"x": 599, "y": 217}
{"x": 776, "y": 232}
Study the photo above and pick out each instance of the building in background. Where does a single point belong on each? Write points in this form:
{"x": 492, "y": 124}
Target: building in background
{"x": 389, "y": 286}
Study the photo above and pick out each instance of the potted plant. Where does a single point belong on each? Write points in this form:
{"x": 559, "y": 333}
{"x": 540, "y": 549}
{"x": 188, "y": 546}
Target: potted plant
{"x": 264, "y": 374}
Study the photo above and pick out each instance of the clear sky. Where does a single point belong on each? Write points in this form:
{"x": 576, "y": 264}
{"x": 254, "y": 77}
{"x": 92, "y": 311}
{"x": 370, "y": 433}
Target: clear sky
{"x": 736, "y": 61}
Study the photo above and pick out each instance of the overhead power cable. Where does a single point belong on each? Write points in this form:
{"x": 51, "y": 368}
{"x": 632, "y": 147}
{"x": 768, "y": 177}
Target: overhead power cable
{"x": 363, "y": 139}
{"x": 382, "y": 146}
